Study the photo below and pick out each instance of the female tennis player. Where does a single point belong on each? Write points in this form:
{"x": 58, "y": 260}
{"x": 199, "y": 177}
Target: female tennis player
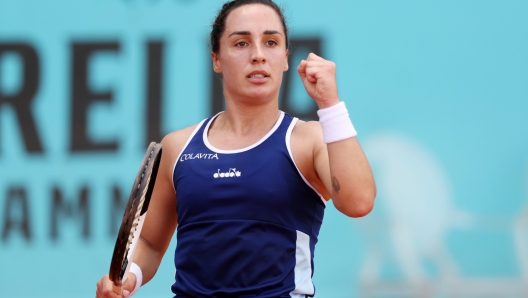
{"x": 247, "y": 188}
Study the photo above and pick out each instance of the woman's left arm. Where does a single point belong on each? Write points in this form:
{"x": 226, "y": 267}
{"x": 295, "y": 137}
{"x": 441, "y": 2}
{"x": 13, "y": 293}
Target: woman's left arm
{"x": 347, "y": 176}
{"x": 341, "y": 165}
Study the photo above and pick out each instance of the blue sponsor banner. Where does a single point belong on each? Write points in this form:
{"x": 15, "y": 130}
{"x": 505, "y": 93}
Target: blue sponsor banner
{"x": 438, "y": 92}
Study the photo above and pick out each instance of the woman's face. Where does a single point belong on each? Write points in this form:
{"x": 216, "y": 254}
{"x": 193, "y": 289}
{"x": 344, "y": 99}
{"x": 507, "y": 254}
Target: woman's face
{"x": 252, "y": 55}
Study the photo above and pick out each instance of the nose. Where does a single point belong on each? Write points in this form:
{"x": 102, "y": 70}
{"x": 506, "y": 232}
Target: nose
{"x": 258, "y": 56}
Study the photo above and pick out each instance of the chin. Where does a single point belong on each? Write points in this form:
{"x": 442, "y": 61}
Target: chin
{"x": 259, "y": 93}
{"x": 255, "y": 94}
{"x": 262, "y": 96}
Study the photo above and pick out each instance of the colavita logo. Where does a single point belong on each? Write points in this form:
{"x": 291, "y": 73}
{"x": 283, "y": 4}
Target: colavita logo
{"x": 185, "y": 157}
{"x": 231, "y": 173}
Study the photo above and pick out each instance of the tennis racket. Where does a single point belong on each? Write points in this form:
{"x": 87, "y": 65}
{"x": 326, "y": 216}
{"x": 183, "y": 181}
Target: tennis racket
{"x": 134, "y": 216}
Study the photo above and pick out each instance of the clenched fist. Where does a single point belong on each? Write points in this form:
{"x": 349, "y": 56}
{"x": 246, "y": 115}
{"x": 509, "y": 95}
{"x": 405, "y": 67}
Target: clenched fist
{"x": 319, "y": 78}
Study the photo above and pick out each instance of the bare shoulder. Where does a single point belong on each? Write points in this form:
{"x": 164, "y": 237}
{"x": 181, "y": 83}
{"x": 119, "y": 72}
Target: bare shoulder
{"x": 307, "y": 136}
{"x": 174, "y": 142}
{"x": 178, "y": 137}
{"x": 308, "y": 130}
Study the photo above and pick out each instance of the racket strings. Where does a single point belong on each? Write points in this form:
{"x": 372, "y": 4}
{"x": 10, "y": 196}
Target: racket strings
{"x": 137, "y": 216}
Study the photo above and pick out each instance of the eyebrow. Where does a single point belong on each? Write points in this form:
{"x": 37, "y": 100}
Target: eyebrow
{"x": 267, "y": 32}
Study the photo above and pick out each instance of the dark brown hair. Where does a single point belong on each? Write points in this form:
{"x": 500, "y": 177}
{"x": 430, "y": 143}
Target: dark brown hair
{"x": 218, "y": 27}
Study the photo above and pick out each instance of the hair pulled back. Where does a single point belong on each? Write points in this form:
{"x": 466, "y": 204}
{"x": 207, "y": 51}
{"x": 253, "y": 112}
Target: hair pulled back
{"x": 218, "y": 27}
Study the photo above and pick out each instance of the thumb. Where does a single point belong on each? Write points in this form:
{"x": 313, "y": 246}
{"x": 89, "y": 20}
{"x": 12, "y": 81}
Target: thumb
{"x": 129, "y": 285}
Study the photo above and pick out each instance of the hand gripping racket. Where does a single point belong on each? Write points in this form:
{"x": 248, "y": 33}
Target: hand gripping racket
{"x": 134, "y": 217}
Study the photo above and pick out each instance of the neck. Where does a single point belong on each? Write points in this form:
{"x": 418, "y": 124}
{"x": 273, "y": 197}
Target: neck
{"x": 241, "y": 126}
{"x": 246, "y": 120}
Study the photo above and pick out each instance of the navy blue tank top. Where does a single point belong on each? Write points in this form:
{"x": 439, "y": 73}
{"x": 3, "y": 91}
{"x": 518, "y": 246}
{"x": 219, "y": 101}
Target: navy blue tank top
{"x": 248, "y": 220}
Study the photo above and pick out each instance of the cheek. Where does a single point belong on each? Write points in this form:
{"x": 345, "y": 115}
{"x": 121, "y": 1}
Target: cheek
{"x": 233, "y": 64}
{"x": 281, "y": 63}
{"x": 279, "y": 76}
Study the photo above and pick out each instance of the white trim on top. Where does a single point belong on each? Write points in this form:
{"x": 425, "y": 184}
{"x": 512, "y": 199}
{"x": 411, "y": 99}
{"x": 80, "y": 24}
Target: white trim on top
{"x": 288, "y": 145}
{"x": 214, "y": 149}
{"x": 183, "y": 149}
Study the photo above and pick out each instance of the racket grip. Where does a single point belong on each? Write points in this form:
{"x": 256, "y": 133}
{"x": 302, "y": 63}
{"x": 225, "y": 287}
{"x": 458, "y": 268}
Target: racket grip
{"x": 117, "y": 289}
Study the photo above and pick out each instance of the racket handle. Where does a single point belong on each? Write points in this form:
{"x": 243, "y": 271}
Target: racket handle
{"x": 117, "y": 289}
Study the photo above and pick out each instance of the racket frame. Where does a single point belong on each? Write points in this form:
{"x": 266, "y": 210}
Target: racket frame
{"x": 134, "y": 216}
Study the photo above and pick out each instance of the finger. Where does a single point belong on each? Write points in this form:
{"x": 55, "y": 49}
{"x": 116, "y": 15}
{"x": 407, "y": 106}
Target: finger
{"x": 306, "y": 76}
{"x": 311, "y": 72}
{"x": 312, "y": 77}
{"x": 320, "y": 68}
{"x": 317, "y": 63}
{"x": 104, "y": 288}
{"x": 118, "y": 290}
{"x": 129, "y": 284}
{"x": 102, "y": 293}
{"x": 314, "y": 57}
{"x": 302, "y": 69}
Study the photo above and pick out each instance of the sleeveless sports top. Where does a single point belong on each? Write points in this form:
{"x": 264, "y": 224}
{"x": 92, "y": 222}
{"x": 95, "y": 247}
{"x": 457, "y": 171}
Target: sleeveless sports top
{"x": 247, "y": 219}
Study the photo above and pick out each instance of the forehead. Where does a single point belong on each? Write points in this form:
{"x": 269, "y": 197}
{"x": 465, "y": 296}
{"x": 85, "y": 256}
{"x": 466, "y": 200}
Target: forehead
{"x": 253, "y": 16}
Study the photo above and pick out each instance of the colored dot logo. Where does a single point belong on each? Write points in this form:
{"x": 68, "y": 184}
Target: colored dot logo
{"x": 229, "y": 174}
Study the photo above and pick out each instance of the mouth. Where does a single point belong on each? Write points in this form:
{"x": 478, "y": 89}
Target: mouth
{"x": 258, "y": 75}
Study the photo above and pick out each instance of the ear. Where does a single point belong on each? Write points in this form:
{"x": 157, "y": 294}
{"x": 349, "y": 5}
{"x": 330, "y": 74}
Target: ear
{"x": 216, "y": 63}
{"x": 286, "y": 60}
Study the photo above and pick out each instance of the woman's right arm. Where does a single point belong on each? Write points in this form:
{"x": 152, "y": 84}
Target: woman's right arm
{"x": 161, "y": 220}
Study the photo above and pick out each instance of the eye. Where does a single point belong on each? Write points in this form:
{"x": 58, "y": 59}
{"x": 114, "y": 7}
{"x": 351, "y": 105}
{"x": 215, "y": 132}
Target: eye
{"x": 241, "y": 44}
{"x": 271, "y": 43}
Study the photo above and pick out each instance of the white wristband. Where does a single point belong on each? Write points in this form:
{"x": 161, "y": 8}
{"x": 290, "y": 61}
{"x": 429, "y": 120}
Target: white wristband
{"x": 336, "y": 123}
{"x": 134, "y": 268}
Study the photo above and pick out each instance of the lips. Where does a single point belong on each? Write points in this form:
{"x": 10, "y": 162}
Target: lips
{"x": 258, "y": 74}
